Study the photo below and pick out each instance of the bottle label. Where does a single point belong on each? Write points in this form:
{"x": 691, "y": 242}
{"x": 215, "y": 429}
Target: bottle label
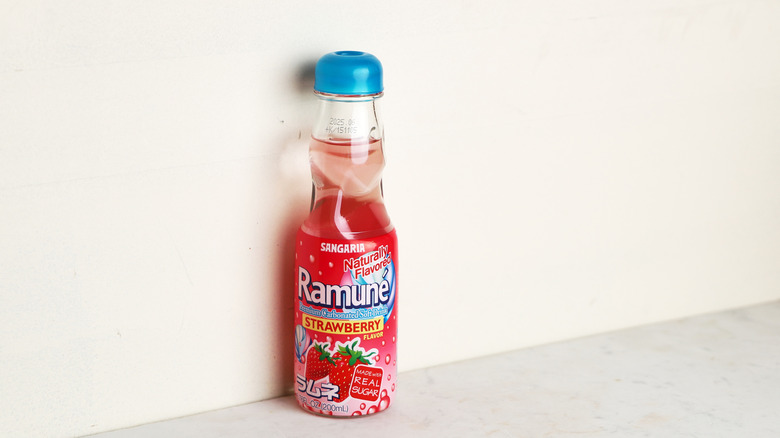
{"x": 345, "y": 324}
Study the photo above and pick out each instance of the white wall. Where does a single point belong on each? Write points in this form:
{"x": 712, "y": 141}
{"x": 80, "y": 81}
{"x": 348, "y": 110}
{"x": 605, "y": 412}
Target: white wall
{"x": 555, "y": 169}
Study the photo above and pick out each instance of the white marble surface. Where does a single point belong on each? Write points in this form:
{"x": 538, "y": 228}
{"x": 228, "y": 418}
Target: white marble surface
{"x": 709, "y": 376}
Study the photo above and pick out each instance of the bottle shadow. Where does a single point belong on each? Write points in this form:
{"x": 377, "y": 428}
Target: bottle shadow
{"x": 293, "y": 180}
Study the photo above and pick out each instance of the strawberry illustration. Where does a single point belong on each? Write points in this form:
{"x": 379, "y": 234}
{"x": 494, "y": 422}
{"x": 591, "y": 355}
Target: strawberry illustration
{"x": 347, "y": 359}
{"x": 318, "y": 362}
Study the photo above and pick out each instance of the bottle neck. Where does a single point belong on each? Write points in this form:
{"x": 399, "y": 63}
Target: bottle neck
{"x": 346, "y": 163}
{"x": 353, "y": 119}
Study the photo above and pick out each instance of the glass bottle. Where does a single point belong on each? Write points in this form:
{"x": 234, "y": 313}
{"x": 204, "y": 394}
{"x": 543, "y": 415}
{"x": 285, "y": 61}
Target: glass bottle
{"x": 346, "y": 250}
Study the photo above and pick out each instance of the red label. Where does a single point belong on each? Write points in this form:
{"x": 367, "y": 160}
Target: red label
{"x": 345, "y": 316}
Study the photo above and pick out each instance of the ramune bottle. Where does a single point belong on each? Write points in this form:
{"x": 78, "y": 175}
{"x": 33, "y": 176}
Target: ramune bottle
{"x": 346, "y": 253}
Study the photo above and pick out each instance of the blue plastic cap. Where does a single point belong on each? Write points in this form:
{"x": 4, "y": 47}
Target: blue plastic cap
{"x": 348, "y": 73}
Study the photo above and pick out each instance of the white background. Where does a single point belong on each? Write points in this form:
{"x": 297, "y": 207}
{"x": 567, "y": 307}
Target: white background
{"x": 555, "y": 169}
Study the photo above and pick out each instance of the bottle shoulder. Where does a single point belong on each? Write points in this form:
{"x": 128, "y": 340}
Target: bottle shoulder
{"x": 336, "y": 217}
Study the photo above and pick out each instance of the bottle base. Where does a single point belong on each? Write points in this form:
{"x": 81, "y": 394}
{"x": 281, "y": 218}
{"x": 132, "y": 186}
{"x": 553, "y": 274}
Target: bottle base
{"x": 335, "y": 411}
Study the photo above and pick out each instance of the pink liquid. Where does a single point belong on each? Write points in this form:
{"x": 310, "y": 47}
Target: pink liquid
{"x": 347, "y": 202}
